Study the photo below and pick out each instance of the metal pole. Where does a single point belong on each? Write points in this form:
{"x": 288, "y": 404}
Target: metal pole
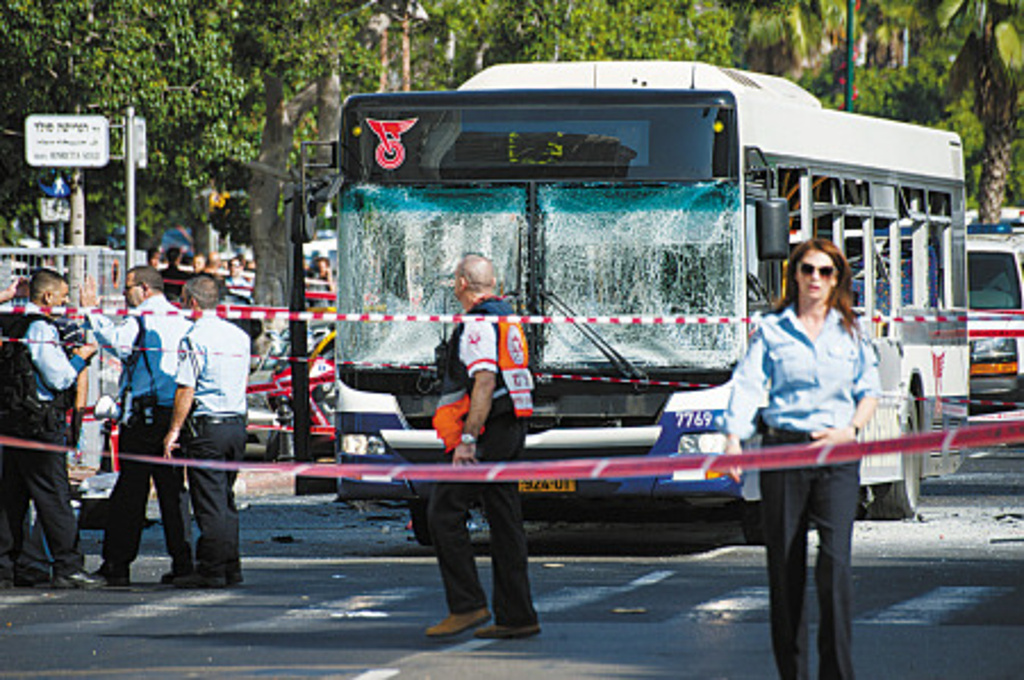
{"x": 129, "y": 187}
{"x": 849, "y": 55}
{"x": 297, "y": 329}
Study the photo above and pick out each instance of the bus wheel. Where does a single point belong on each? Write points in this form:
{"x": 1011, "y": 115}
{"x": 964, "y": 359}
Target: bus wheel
{"x": 420, "y": 525}
{"x": 752, "y": 523}
{"x": 898, "y": 500}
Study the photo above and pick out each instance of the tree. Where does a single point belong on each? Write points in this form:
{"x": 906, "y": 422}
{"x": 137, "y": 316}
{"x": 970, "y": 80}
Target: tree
{"x": 297, "y": 55}
{"x": 989, "y": 63}
{"x": 791, "y": 36}
{"x": 171, "y": 60}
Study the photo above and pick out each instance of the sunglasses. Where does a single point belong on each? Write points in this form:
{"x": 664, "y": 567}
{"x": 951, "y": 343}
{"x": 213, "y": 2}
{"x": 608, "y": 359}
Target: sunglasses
{"x": 808, "y": 270}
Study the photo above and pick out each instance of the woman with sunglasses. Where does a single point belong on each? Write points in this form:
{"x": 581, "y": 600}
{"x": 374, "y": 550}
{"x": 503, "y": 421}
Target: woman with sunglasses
{"x": 821, "y": 375}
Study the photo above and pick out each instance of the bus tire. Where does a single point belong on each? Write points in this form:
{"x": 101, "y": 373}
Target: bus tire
{"x": 420, "y": 523}
{"x": 898, "y": 500}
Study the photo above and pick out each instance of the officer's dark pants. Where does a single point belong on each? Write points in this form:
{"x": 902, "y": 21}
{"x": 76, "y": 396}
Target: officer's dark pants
{"x": 827, "y": 496}
{"x": 213, "y": 496}
{"x": 40, "y": 476}
{"x": 448, "y": 510}
{"x": 130, "y": 496}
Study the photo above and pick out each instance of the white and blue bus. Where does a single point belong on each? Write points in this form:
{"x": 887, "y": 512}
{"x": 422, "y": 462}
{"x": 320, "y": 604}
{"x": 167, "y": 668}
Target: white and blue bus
{"x": 637, "y": 188}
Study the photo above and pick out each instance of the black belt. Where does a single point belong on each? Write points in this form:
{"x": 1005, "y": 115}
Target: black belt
{"x": 219, "y": 420}
{"x": 777, "y": 436}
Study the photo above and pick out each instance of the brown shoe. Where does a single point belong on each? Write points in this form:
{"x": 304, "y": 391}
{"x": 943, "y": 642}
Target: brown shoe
{"x": 456, "y": 623}
{"x": 507, "y": 632}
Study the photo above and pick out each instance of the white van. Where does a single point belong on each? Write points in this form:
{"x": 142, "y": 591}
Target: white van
{"x": 995, "y": 284}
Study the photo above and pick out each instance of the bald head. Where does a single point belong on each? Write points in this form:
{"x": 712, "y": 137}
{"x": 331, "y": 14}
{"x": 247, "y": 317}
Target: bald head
{"x": 474, "y": 279}
{"x": 477, "y": 272}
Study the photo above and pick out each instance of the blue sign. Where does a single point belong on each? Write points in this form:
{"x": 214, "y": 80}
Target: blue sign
{"x": 59, "y": 189}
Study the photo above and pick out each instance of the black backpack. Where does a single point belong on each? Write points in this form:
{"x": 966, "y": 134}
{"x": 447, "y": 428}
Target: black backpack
{"x": 22, "y": 413}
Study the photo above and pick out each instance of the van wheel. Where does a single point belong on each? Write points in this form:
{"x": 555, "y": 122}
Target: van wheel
{"x": 420, "y": 524}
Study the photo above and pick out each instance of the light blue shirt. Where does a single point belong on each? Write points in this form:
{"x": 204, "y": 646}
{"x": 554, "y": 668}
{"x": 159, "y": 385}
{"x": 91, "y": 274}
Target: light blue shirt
{"x": 812, "y": 385}
{"x": 156, "y": 368}
{"x": 54, "y": 371}
{"x": 214, "y": 359}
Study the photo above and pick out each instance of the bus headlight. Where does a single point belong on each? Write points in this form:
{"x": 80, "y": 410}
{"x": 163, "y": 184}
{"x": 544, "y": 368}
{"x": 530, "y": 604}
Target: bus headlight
{"x": 994, "y": 356}
{"x": 362, "y": 445}
{"x": 706, "y": 442}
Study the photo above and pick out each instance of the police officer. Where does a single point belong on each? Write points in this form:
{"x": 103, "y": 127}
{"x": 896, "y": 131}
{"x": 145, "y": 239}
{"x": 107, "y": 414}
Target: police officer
{"x": 213, "y": 365}
{"x": 41, "y": 475}
{"x": 147, "y": 347}
{"x": 486, "y": 397}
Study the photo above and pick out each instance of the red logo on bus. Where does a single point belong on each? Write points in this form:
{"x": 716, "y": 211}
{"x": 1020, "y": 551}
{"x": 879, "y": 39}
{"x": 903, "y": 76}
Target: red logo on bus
{"x": 390, "y": 151}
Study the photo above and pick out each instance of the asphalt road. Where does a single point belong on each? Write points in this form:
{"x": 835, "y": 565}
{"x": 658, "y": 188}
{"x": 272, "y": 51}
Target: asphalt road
{"x": 345, "y": 592}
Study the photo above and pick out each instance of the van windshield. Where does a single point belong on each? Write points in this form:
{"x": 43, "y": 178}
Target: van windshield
{"x": 994, "y": 281}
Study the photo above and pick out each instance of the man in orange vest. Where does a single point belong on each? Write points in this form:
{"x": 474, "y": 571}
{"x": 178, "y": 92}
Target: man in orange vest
{"x": 485, "y": 400}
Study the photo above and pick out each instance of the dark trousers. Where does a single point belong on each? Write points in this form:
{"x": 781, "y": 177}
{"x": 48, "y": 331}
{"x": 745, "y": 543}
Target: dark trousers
{"x": 448, "y": 510}
{"x": 213, "y": 496}
{"x": 792, "y": 499}
{"x": 131, "y": 495}
{"x": 42, "y": 477}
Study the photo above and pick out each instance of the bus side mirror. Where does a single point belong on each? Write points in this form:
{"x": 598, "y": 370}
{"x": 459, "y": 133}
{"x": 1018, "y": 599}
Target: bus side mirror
{"x": 772, "y": 215}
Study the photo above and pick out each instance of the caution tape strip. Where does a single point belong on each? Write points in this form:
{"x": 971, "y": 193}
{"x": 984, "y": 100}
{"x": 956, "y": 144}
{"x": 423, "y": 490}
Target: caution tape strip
{"x": 788, "y": 456}
{"x": 257, "y": 312}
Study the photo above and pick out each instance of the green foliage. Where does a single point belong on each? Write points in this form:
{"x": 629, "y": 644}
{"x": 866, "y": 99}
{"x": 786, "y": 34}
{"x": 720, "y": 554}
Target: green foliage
{"x": 170, "y": 60}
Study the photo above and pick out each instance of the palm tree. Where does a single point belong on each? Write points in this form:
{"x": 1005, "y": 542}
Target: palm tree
{"x": 991, "y": 63}
{"x": 792, "y": 36}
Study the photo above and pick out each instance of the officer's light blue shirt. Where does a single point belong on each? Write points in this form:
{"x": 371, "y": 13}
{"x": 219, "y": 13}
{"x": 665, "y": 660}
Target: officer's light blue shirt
{"x": 54, "y": 371}
{"x": 812, "y": 385}
{"x": 213, "y": 358}
{"x": 156, "y": 368}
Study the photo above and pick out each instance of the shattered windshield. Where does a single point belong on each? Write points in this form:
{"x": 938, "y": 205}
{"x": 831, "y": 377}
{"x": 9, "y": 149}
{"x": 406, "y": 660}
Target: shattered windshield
{"x": 602, "y": 249}
{"x": 397, "y": 251}
{"x": 632, "y": 250}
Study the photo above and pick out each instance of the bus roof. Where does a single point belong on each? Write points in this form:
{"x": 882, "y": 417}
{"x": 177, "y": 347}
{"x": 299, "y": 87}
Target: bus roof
{"x": 775, "y": 115}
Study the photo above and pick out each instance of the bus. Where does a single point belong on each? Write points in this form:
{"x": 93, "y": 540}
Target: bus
{"x": 637, "y": 188}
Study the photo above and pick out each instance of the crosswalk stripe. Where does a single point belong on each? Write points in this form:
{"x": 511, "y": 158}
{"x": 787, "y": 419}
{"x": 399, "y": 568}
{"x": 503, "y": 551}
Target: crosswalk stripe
{"x": 354, "y": 607}
{"x": 8, "y": 601}
{"x": 743, "y": 604}
{"x": 118, "y": 617}
{"x": 567, "y": 598}
{"x": 936, "y": 606}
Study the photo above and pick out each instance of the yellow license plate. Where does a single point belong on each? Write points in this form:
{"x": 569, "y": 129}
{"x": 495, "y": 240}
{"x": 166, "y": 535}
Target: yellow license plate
{"x": 547, "y": 486}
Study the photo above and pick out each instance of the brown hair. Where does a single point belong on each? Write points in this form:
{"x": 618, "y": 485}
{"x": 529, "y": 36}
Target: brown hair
{"x": 841, "y": 298}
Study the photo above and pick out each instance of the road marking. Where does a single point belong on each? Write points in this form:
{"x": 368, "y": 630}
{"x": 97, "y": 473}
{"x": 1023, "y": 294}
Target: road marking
{"x": 742, "y": 605}
{"x": 567, "y": 598}
{"x": 8, "y": 601}
{"x": 936, "y": 606}
{"x": 120, "y": 616}
{"x": 378, "y": 674}
{"x": 354, "y": 607}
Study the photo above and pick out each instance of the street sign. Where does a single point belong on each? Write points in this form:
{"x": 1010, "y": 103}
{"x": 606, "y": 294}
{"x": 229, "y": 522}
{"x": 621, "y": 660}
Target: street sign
{"x": 54, "y": 210}
{"x": 59, "y": 188}
{"x": 67, "y": 141}
{"x": 140, "y": 142}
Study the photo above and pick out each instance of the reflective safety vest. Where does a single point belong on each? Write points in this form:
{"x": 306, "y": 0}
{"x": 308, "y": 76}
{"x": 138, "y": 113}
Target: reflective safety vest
{"x": 514, "y": 391}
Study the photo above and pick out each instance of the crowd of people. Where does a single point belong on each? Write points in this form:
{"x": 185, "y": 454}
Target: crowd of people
{"x": 181, "y": 394}
{"x": 809, "y": 362}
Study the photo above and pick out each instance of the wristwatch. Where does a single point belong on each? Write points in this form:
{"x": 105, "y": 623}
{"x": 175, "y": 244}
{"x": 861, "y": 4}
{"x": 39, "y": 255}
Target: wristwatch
{"x": 468, "y": 438}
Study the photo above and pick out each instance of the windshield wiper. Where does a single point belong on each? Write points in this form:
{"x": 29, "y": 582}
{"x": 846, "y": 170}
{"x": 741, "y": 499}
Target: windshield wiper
{"x": 621, "y": 363}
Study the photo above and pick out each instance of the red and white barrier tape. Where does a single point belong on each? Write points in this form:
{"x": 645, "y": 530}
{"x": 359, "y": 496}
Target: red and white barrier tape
{"x": 802, "y": 455}
{"x": 235, "y": 312}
